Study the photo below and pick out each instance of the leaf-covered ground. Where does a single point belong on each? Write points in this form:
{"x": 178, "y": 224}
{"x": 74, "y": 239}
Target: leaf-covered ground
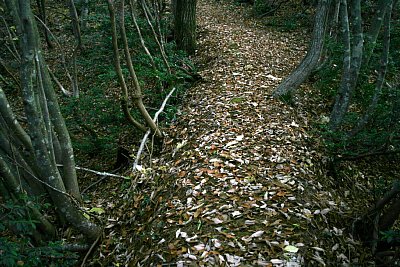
{"x": 239, "y": 180}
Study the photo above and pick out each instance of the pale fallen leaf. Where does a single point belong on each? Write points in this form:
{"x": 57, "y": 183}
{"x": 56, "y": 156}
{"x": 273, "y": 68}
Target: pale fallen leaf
{"x": 294, "y": 124}
{"x": 276, "y": 261}
{"x": 217, "y": 221}
{"x": 139, "y": 167}
{"x": 216, "y": 243}
{"x": 200, "y": 247}
{"x": 325, "y": 211}
{"x": 257, "y": 234}
{"x": 231, "y": 143}
{"x": 291, "y": 249}
{"x": 236, "y": 213}
{"x": 239, "y": 137}
{"x": 269, "y": 76}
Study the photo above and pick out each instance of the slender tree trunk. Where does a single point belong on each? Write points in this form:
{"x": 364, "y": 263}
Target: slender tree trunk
{"x": 310, "y": 61}
{"x": 84, "y": 12}
{"x": 42, "y": 14}
{"x": 372, "y": 35}
{"x": 137, "y": 93}
{"x": 351, "y": 60}
{"x": 381, "y": 75}
{"x": 75, "y": 23}
{"x": 140, "y": 36}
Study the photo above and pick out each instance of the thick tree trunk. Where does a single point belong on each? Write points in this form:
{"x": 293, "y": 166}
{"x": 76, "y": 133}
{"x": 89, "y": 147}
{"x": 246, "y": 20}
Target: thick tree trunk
{"x": 185, "y": 25}
{"x": 310, "y": 61}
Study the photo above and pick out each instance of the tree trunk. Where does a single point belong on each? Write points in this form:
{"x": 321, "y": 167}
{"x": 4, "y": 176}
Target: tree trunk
{"x": 185, "y": 25}
{"x": 372, "y": 35}
{"x": 44, "y": 122}
{"x": 381, "y": 75}
{"x": 42, "y": 14}
{"x": 75, "y": 23}
{"x": 310, "y": 61}
{"x": 347, "y": 84}
{"x": 137, "y": 92}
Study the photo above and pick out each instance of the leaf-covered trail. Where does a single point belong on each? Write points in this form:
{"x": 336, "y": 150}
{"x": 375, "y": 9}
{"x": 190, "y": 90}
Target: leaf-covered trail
{"x": 238, "y": 181}
{"x": 240, "y": 157}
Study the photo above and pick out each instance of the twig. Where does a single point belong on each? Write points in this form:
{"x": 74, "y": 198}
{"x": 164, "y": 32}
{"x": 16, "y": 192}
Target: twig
{"x": 13, "y": 51}
{"x": 90, "y": 251}
{"x": 135, "y": 164}
{"x": 63, "y": 90}
{"x": 99, "y": 173}
{"x": 3, "y": 63}
{"x": 64, "y": 64}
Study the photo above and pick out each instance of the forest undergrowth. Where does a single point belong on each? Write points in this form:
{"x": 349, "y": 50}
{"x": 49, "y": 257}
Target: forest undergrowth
{"x": 243, "y": 179}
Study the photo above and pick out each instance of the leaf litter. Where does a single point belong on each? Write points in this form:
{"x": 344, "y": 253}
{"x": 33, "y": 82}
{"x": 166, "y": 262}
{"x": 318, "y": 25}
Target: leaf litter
{"x": 237, "y": 182}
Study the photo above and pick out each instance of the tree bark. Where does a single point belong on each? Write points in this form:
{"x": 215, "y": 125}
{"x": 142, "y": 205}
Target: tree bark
{"x": 44, "y": 121}
{"x": 372, "y": 35}
{"x": 310, "y": 61}
{"x": 350, "y": 68}
{"x": 381, "y": 75}
{"x": 75, "y": 23}
{"x": 185, "y": 25}
{"x": 137, "y": 93}
{"x": 42, "y": 14}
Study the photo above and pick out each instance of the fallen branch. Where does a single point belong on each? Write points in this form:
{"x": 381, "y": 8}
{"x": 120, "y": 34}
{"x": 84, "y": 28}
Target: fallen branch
{"x": 63, "y": 90}
{"x": 90, "y": 251}
{"x": 140, "y": 150}
{"x": 100, "y": 173}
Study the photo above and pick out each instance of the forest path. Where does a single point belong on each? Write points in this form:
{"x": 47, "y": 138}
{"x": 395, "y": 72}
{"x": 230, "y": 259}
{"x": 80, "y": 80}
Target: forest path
{"x": 240, "y": 157}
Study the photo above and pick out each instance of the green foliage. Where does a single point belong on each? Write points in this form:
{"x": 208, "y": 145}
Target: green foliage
{"x": 390, "y": 236}
{"x": 18, "y": 250}
{"x": 381, "y": 126}
{"x": 95, "y": 120}
{"x": 287, "y": 99}
{"x": 327, "y": 78}
{"x": 17, "y": 216}
{"x": 261, "y": 7}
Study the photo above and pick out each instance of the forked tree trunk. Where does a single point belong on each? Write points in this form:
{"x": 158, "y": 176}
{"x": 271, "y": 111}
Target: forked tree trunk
{"x": 45, "y": 124}
{"x": 137, "y": 92}
{"x": 355, "y": 57}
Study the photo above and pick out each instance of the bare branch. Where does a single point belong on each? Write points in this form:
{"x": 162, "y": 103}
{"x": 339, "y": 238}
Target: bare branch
{"x": 135, "y": 164}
